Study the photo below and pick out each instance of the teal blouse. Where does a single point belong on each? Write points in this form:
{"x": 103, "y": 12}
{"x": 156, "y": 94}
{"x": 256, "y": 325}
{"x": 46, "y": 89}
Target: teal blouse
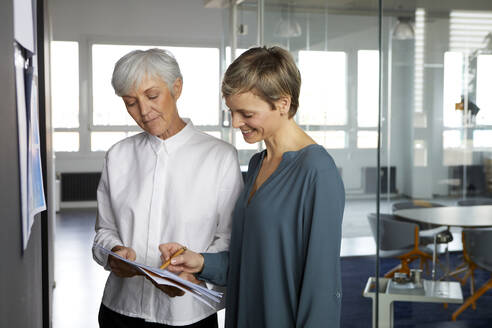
{"x": 283, "y": 265}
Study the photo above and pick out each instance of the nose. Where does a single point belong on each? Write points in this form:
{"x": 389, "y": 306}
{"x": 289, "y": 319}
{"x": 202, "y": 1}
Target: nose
{"x": 236, "y": 121}
{"x": 144, "y": 107}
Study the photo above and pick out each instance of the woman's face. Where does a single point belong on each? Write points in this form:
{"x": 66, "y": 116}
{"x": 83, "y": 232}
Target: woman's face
{"x": 253, "y": 116}
{"x": 153, "y": 107}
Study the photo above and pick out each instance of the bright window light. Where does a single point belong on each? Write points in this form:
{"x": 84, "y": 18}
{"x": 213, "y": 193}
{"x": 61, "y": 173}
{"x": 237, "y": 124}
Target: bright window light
{"x": 453, "y": 88}
{"x": 367, "y": 139}
{"x": 102, "y": 141}
{"x": 484, "y": 85}
{"x": 367, "y": 88}
{"x": 451, "y": 139}
{"x": 215, "y": 134}
{"x": 482, "y": 139}
{"x": 329, "y": 139}
{"x": 239, "y": 52}
{"x": 243, "y": 145}
{"x": 199, "y": 99}
{"x": 323, "y": 99}
{"x": 66, "y": 141}
{"x": 65, "y": 84}
{"x": 420, "y": 153}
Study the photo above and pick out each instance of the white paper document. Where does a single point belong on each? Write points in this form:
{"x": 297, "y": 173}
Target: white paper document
{"x": 165, "y": 277}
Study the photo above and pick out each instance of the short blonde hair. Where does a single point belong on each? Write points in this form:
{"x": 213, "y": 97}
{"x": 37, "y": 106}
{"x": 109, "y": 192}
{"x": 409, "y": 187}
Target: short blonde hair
{"x": 269, "y": 73}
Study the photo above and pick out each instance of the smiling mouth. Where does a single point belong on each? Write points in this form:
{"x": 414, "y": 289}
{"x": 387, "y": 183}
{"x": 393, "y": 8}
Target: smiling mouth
{"x": 248, "y": 132}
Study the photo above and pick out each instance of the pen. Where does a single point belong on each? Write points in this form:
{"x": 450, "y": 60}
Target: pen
{"x": 166, "y": 264}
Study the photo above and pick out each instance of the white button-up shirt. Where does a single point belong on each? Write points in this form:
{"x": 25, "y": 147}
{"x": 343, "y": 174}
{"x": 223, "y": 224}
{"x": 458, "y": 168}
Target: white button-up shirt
{"x": 154, "y": 191}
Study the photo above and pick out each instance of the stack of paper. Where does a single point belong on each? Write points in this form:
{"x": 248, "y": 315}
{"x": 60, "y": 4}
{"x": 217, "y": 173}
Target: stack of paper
{"x": 165, "y": 277}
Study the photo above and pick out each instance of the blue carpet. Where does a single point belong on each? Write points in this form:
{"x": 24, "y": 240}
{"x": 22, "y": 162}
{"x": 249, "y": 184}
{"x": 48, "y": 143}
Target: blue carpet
{"x": 357, "y": 312}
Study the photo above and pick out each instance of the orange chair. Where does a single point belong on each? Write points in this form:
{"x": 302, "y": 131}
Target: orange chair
{"x": 478, "y": 243}
{"x": 401, "y": 240}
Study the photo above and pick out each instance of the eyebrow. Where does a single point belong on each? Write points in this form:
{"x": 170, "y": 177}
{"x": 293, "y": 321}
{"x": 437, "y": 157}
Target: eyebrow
{"x": 149, "y": 89}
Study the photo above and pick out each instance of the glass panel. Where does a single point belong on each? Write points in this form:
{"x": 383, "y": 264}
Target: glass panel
{"x": 199, "y": 99}
{"x": 442, "y": 155}
{"x": 66, "y": 141}
{"x": 65, "y": 84}
{"x": 102, "y": 141}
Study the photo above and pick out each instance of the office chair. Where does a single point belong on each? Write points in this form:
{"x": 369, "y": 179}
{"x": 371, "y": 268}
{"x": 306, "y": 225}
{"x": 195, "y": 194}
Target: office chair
{"x": 478, "y": 243}
{"x": 468, "y": 267}
{"x": 440, "y": 235}
{"x": 401, "y": 240}
{"x": 474, "y": 201}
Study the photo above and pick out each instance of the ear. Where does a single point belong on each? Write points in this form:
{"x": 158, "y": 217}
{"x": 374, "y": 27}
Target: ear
{"x": 283, "y": 105}
{"x": 177, "y": 87}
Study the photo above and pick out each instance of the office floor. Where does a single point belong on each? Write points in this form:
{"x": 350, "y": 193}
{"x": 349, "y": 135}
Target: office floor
{"x": 80, "y": 281}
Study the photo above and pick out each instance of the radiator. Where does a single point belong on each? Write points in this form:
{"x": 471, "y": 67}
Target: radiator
{"x": 371, "y": 179}
{"x": 79, "y": 186}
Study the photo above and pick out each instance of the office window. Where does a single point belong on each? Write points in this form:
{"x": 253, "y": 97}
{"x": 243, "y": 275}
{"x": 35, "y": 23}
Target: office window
{"x": 65, "y": 84}
{"x": 451, "y": 139}
{"x": 482, "y": 139}
{"x": 484, "y": 86}
{"x": 367, "y": 139}
{"x": 453, "y": 88}
{"x": 329, "y": 139}
{"x": 420, "y": 153}
{"x": 239, "y": 51}
{"x": 66, "y": 141}
{"x": 215, "y": 134}
{"x": 367, "y": 88}
{"x": 102, "y": 141}
{"x": 199, "y": 99}
{"x": 323, "y": 98}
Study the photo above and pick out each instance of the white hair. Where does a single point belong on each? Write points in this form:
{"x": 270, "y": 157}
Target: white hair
{"x": 134, "y": 66}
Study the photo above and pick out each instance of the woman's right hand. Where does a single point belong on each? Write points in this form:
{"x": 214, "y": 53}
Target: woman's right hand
{"x": 188, "y": 261}
{"x": 119, "y": 267}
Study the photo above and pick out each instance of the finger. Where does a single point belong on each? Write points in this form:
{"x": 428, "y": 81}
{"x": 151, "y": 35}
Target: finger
{"x": 131, "y": 255}
{"x": 178, "y": 260}
{"x": 167, "y": 250}
{"x": 175, "y": 268}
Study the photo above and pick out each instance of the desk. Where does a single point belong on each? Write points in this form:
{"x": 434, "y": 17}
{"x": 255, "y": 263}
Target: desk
{"x": 435, "y": 292}
{"x": 455, "y": 216}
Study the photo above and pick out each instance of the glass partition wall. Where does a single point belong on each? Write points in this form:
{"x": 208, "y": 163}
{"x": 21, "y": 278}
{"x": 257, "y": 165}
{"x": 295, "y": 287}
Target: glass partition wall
{"x": 432, "y": 86}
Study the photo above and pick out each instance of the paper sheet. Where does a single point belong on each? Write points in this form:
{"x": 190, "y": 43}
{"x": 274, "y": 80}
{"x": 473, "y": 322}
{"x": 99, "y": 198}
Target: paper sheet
{"x": 165, "y": 277}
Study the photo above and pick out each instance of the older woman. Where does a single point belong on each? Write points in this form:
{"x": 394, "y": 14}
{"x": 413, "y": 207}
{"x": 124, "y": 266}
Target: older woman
{"x": 282, "y": 268}
{"x": 170, "y": 182}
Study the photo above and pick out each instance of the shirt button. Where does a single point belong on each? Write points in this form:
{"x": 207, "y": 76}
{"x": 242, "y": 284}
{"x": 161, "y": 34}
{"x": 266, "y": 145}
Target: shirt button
{"x": 338, "y": 294}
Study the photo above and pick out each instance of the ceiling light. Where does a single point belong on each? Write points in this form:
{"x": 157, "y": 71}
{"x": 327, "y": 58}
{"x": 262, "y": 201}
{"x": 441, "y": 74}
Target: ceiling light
{"x": 404, "y": 29}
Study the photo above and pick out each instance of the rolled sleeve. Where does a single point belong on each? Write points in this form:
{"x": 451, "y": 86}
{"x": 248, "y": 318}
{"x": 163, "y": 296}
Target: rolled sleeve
{"x": 216, "y": 266}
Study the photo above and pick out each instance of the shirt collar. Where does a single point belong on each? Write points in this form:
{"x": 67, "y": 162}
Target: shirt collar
{"x": 173, "y": 143}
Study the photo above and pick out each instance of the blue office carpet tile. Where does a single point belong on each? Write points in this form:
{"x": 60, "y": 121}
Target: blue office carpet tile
{"x": 357, "y": 310}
